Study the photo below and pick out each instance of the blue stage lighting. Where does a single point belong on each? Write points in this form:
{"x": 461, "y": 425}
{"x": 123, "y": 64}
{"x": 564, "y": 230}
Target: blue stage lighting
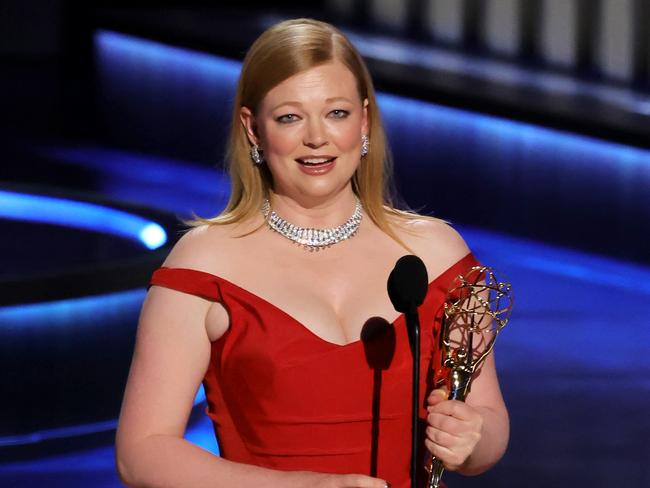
{"x": 95, "y": 311}
{"x": 81, "y": 215}
{"x": 158, "y": 56}
{"x": 149, "y": 180}
{"x": 58, "y": 433}
{"x": 508, "y": 141}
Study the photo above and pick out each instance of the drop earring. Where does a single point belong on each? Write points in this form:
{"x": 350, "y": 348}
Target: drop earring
{"x": 365, "y": 145}
{"x": 256, "y": 155}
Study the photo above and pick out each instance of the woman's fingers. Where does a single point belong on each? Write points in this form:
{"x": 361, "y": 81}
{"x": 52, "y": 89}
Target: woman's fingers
{"x": 436, "y": 396}
{"x": 449, "y": 424}
{"x": 362, "y": 481}
{"x": 441, "y": 437}
{"x": 454, "y": 408}
{"x": 450, "y": 458}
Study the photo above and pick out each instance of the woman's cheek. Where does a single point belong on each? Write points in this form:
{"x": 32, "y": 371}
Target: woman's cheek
{"x": 283, "y": 140}
{"x": 346, "y": 136}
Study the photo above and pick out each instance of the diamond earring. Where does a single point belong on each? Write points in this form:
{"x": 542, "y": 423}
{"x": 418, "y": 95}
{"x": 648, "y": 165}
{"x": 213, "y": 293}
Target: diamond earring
{"x": 255, "y": 154}
{"x": 365, "y": 145}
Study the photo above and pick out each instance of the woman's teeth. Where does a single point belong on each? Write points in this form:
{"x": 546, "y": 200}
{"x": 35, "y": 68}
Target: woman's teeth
{"x": 315, "y": 161}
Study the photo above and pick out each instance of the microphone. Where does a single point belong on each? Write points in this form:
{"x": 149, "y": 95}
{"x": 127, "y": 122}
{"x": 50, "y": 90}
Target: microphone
{"x": 407, "y": 288}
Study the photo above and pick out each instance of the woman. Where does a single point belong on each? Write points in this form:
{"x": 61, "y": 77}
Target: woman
{"x": 271, "y": 320}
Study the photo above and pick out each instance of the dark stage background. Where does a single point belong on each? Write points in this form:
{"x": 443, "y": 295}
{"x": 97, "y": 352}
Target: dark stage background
{"x": 524, "y": 123}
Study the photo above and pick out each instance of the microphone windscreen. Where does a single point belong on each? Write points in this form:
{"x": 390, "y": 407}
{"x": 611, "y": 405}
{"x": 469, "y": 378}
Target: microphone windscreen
{"x": 408, "y": 283}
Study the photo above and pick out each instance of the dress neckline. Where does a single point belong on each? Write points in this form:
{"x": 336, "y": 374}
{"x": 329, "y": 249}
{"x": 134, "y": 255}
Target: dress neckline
{"x": 301, "y": 325}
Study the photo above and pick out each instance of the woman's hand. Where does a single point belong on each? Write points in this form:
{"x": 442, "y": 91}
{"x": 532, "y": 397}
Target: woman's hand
{"x": 324, "y": 480}
{"x": 453, "y": 429}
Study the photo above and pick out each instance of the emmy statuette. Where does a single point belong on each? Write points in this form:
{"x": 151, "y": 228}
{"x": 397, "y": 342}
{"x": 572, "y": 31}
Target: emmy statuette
{"x": 476, "y": 308}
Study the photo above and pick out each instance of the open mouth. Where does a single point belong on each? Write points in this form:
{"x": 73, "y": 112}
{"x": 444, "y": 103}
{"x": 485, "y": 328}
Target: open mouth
{"x": 315, "y": 161}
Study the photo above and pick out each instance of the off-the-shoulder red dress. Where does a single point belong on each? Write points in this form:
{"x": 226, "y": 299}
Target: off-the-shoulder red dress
{"x": 281, "y": 397}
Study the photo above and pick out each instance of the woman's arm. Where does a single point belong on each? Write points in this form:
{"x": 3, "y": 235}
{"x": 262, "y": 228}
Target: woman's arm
{"x": 171, "y": 355}
{"x": 170, "y": 359}
{"x": 467, "y": 437}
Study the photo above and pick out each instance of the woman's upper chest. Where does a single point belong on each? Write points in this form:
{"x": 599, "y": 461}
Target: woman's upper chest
{"x": 332, "y": 293}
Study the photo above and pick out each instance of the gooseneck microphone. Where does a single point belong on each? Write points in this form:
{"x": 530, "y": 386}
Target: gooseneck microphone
{"x": 407, "y": 288}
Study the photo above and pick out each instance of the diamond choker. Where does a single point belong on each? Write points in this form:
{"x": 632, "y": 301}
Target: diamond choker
{"x": 308, "y": 237}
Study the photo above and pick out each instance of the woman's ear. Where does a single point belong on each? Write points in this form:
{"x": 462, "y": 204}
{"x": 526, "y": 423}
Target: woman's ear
{"x": 248, "y": 122}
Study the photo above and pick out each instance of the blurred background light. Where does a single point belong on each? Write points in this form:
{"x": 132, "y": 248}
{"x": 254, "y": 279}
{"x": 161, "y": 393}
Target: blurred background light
{"x": 81, "y": 215}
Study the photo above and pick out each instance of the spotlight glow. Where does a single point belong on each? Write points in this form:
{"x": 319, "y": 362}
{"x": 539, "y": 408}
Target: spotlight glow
{"x": 153, "y": 236}
{"x": 81, "y": 215}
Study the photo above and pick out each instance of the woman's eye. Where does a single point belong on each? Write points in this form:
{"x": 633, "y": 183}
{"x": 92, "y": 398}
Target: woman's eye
{"x": 286, "y": 119}
{"x": 339, "y": 114}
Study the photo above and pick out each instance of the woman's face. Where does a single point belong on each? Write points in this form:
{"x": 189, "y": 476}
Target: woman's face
{"x": 309, "y": 128}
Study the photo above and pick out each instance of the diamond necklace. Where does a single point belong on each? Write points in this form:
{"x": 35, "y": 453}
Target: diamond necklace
{"x": 308, "y": 237}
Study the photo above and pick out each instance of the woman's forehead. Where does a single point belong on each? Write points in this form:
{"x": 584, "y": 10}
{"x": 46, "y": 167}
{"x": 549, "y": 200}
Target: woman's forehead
{"x": 320, "y": 84}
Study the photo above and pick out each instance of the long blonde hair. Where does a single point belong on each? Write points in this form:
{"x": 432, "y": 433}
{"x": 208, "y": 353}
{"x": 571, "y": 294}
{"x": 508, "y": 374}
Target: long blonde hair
{"x": 286, "y": 49}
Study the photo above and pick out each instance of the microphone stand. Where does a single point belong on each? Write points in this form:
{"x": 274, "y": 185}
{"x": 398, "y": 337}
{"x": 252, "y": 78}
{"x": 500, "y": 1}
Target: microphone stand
{"x": 407, "y": 289}
{"x": 413, "y": 327}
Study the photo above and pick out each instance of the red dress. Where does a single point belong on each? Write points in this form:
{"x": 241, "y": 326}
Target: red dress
{"x": 281, "y": 397}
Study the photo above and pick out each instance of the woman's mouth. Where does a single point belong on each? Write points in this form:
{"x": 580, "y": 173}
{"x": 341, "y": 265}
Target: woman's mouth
{"x": 314, "y": 161}
{"x": 316, "y": 165}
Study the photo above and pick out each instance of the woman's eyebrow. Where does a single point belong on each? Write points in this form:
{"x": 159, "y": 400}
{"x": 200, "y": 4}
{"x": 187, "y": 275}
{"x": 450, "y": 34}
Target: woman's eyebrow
{"x": 338, "y": 99}
{"x": 299, "y": 105}
{"x": 281, "y": 104}
{"x": 295, "y": 104}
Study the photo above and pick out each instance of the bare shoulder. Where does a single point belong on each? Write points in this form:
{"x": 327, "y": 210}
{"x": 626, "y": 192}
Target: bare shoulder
{"x": 201, "y": 248}
{"x": 435, "y": 241}
{"x": 207, "y": 248}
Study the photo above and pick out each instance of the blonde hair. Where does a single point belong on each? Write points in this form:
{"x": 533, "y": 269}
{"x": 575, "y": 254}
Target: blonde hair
{"x": 284, "y": 50}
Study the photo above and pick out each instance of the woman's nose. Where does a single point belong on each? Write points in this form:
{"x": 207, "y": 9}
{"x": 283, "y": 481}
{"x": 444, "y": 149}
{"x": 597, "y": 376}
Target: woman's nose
{"x": 315, "y": 135}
